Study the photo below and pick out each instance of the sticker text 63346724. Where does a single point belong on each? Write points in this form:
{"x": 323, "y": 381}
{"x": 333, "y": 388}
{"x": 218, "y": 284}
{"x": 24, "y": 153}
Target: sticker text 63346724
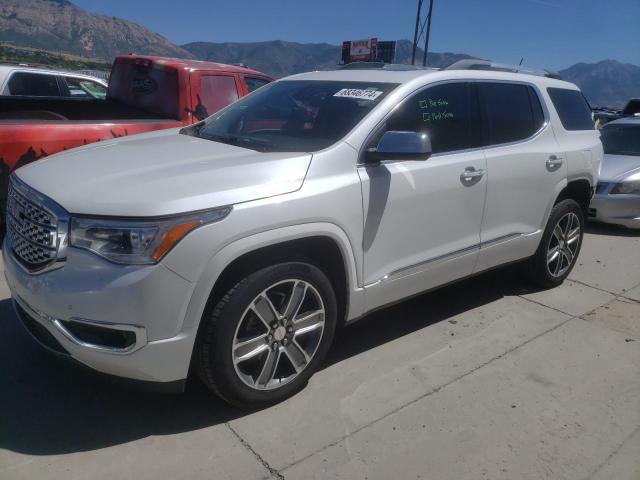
{"x": 358, "y": 93}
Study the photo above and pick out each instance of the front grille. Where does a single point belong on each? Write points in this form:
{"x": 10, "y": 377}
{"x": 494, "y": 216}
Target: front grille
{"x": 32, "y": 211}
{"x": 32, "y": 230}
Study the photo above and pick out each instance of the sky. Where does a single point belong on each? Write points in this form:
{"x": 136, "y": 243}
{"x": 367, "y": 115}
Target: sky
{"x": 551, "y": 34}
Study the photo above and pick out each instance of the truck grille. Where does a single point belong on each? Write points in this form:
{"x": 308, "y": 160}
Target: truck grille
{"x": 31, "y": 229}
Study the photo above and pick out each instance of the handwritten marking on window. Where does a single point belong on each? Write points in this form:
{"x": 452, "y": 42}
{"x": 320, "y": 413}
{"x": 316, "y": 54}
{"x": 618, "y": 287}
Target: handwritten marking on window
{"x": 436, "y": 109}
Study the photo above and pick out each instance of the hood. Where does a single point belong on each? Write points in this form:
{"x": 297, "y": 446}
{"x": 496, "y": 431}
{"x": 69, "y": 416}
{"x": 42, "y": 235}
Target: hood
{"x": 617, "y": 167}
{"x": 162, "y": 173}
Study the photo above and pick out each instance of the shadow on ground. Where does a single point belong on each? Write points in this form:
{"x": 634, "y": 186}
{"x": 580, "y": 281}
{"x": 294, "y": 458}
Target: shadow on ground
{"x": 51, "y": 406}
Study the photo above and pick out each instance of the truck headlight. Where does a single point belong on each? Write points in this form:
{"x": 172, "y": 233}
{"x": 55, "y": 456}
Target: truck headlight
{"x": 137, "y": 241}
{"x": 629, "y": 186}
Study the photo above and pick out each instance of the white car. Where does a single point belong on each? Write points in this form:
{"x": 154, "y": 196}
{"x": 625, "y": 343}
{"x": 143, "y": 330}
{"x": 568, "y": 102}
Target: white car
{"x": 617, "y": 198}
{"x": 238, "y": 244}
{"x": 37, "y": 82}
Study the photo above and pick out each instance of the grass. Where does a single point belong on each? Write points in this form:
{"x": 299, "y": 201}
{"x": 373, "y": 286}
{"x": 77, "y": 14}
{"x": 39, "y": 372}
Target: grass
{"x": 33, "y": 56}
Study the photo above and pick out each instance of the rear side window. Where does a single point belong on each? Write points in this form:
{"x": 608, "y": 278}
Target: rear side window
{"x": 254, "y": 83}
{"x": 216, "y": 92}
{"x": 572, "y": 108}
{"x": 513, "y": 112}
{"x": 83, "y": 88}
{"x": 35, "y": 84}
{"x": 447, "y": 113}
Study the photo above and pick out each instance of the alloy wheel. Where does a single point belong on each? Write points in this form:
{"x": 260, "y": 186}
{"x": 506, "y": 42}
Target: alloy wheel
{"x": 278, "y": 334}
{"x": 563, "y": 244}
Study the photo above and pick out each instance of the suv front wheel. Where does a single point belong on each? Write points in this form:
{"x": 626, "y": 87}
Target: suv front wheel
{"x": 267, "y": 335}
{"x": 559, "y": 247}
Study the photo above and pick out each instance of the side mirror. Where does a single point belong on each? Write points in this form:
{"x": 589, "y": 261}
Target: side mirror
{"x": 396, "y": 145}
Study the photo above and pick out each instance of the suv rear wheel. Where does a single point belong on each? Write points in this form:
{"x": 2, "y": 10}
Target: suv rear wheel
{"x": 268, "y": 334}
{"x": 559, "y": 247}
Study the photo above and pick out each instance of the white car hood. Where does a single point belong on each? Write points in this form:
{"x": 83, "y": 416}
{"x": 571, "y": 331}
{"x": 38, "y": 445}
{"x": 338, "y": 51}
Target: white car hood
{"x": 617, "y": 167}
{"x": 162, "y": 173}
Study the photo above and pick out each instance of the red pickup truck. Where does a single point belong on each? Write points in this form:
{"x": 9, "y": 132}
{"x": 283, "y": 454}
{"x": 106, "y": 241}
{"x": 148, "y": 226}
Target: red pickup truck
{"x": 145, "y": 93}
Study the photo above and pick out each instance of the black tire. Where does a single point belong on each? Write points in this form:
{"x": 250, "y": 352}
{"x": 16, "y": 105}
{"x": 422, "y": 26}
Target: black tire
{"x": 537, "y": 269}
{"x": 214, "y": 350}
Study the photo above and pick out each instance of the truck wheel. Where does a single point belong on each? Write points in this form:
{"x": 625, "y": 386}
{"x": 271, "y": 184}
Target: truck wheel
{"x": 559, "y": 246}
{"x": 267, "y": 335}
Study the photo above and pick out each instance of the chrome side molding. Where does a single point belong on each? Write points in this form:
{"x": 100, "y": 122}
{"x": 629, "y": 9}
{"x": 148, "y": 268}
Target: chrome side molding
{"x": 421, "y": 266}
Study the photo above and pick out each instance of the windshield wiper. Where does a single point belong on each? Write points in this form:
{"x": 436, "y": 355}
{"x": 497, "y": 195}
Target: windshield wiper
{"x": 193, "y": 130}
{"x": 236, "y": 141}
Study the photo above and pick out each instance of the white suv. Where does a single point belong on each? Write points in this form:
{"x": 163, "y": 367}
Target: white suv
{"x": 237, "y": 245}
{"x": 38, "y": 82}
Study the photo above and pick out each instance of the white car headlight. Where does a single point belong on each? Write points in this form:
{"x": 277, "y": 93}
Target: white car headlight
{"x": 629, "y": 186}
{"x": 138, "y": 242}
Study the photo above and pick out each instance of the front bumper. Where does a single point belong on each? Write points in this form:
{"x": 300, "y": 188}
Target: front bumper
{"x": 141, "y": 307}
{"x": 623, "y": 210}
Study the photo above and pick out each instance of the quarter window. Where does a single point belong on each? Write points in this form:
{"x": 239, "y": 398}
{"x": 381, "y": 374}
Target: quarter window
{"x": 513, "y": 112}
{"x": 446, "y": 112}
{"x": 572, "y": 108}
{"x": 254, "y": 83}
{"x": 33, "y": 84}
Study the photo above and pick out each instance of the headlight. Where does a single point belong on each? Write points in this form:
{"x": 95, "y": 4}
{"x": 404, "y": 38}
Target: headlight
{"x": 138, "y": 242}
{"x": 629, "y": 186}
{"x": 632, "y": 188}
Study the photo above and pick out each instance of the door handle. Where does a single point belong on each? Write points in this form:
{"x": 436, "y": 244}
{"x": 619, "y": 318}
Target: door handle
{"x": 554, "y": 161}
{"x": 470, "y": 174}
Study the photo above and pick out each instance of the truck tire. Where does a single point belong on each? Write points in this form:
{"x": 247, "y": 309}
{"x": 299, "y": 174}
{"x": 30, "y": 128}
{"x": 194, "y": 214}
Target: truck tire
{"x": 267, "y": 335}
{"x": 559, "y": 247}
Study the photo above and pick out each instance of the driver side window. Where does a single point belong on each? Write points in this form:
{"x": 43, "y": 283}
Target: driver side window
{"x": 446, "y": 112}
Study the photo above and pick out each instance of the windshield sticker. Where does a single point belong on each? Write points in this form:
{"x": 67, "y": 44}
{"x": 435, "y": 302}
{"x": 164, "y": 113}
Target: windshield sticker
{"x": 358, "y": 93}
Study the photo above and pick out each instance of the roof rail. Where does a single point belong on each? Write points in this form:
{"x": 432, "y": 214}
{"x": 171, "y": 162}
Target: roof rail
{"x": 475, "y": 64}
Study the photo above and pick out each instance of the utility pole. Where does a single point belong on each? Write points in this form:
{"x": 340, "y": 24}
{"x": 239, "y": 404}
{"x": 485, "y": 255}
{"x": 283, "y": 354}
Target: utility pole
{"x": 419, "y": 31}
{"x": 426, "y": 39}
{"x": 415, "y": 34}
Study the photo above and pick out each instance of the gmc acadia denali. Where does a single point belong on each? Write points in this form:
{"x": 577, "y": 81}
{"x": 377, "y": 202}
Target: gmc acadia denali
{"x": 238, "y": 244}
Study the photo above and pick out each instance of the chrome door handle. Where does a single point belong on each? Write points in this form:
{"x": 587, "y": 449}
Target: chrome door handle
{"x": 554, "y": 161}
{"x": 470, "y": 174}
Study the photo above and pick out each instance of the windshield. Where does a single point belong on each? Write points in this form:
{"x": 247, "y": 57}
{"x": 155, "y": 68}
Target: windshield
{"x": 621, "y": 139}
{"x": 294, "y": 116}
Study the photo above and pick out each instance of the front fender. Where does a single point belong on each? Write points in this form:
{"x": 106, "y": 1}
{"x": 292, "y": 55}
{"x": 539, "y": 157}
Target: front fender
{"x": 226, "y": 255}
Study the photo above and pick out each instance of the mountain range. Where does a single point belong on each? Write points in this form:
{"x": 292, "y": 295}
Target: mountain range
{"x": 279, "y": 58}
{"x": 59, "y": 25}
